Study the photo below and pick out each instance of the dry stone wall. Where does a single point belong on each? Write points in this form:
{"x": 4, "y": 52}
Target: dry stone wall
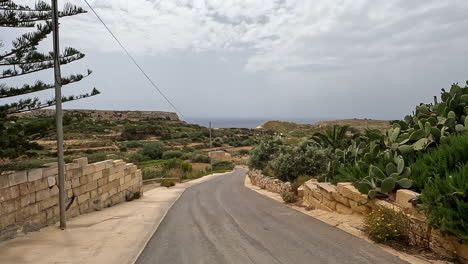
{"x": 107, "y": 114}
{"x": 268, "y": 183}
{"x": 29, "y": 199}
{"x": 344, "y": 198}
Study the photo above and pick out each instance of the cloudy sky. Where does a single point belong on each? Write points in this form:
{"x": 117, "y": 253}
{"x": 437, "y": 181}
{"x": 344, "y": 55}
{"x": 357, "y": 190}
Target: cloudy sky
{"x": 271, "y": 59}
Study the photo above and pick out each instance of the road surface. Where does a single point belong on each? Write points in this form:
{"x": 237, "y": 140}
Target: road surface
{"x": 222, "y": 221}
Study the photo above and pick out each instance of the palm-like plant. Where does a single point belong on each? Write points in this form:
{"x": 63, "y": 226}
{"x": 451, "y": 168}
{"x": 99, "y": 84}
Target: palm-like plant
{"x": 334, "y": 138}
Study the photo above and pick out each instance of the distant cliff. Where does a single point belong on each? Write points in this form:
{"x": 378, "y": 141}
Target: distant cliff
{"x": 107, "y": 114}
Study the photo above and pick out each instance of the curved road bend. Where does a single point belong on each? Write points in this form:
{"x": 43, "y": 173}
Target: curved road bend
{"x": 222, "y": 221}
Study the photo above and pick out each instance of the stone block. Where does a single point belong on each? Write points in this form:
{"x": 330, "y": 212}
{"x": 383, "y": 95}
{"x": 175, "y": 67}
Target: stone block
{"x": 40, "y": 185}
{"x": 51, "y": 165}
{"x": 47, "y": 203}
{"x": 99, "y": 166}
{"x": 47, "y": 172}
{"x": 54, "y": 190}
{"x": 84, "y": 179}
{"x": 81, "y": 161}
{"x": 9, "y": 193}
{"x": 26, "y": 188}
{"x": 103, "y": 181}
{"x": 342, "y": 209}
{"x": 72, "y": 166}
{"x": 6, "y": 220}
{"x": 10, "y": 206}
{"x": 106, "y": 172}
{"x": 17, "y": 178}
{"x": 34, "y": 175}
{"x": 326, "y": 189}
{"x": 328, "y": 203}
{"x": 300, "y": 191}
{"x": 42, "y": 195}
{"x": 51, "y": 181}
{"x": 75, "y": 182}
{"x": 91, "y": 186}
{"x": 89, "y": 169}
{"x": 83, "y": 198}
{"x": 349, "y": 191}
{"x": 128, "y": 178}
{"x": 403, "y": 197}
{"x": 362, "y": 209}
{"x": 340, "y": 198}
{"x": 84, "y": 207}
{"x": 4, "y": 181}
{"x": 96, "y": 176}
{"x": 119, "y": 163}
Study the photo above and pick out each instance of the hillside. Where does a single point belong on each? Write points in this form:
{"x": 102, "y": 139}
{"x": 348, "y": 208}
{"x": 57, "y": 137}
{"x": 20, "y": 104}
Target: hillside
{"x": 291, "y": 129}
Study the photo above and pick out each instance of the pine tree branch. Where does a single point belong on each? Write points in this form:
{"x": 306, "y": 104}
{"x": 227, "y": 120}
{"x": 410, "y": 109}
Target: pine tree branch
{"x": 35, "y": 67}
{"x": 27, "y": 105}
{"x": 6, "y": 91}
{"x": 22, "y": 16}
{"x": 29, "y": 41}
{"x": 37, "y": 57}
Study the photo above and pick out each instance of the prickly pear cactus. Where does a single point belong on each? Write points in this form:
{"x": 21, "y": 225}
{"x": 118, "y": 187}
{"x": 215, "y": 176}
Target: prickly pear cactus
{"x": 384, "y": 182}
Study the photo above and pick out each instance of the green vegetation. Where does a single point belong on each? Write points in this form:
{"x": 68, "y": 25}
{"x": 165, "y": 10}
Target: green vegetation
{"x": 23, "y": 58}
{"x": 385, "y": 225}
{"x": 167, "y": 183}
{"x": 223, "y": 166}
{"x": 288, "y": 197}
{"x": 384, "y": 182}
{"x": 440, "y": 161}
{"x": 153, "y": 150}
{"x": 427, "y": 151}
{"x": 445, "y": 200}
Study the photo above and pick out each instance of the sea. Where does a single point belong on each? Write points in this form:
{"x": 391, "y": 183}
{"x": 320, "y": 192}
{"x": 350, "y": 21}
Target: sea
{"x": 246, "y": 122}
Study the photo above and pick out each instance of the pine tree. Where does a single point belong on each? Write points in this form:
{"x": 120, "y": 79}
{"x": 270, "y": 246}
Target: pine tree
{"x": 23, "y": 59}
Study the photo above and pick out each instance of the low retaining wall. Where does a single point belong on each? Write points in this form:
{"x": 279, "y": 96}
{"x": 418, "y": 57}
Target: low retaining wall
{"x": 269, "y": 183}
{"x": 29, "y": 199}
{"x": 344, "y": 198}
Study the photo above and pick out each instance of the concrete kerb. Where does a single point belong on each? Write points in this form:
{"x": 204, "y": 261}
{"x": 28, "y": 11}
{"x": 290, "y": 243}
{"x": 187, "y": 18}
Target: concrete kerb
{"x": 191, "y": 184}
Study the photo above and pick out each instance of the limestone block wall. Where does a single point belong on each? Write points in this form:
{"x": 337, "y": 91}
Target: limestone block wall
{"x": 344, "y": 198}
{"x": 268, "y": 183}
{"x": 29, "y": 199}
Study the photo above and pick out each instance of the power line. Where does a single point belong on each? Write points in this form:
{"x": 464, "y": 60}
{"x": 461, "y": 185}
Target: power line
{"x": 133, "y": 60}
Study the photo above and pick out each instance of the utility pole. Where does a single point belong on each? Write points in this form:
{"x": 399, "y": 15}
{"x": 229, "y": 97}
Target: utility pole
{"x": 59, "y": 114}
{"x": 211, "y": 146}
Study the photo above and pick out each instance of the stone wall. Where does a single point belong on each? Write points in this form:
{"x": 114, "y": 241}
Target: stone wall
{"x": 107, "y": 114}
{"x": 268, "y": 183}
{"x": 29, "y": 199}
{"x": 344, "y": 198}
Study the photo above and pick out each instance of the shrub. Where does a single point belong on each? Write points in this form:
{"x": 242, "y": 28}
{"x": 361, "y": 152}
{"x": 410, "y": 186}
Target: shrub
{"x": 123, "y": 149}
{"x": 154, "y": 150}
{"x": 167, "y": 183}
{"x": 445, "y": 200}
{"x": 306, "y": 159}
{"x": 137, "y": 158}
{"x": 223, "y": 166}
{"x": 288, "y": 197}
{"x": 152, "y": 174}
{"x": 261, "y": 154}
{"x": 177, "y": 164}
{"x": 200, "y": 158}
{"x": 133, "y": 144}
{"x": 384, "y": 225}
{"x": 440, "y": 161}
{"x": 172, "y": 154}
{"x": 243, "y": 152}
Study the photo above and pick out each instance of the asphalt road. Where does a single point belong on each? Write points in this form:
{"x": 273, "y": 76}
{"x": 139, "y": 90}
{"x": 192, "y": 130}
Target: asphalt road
{"x": 222, "y": 221}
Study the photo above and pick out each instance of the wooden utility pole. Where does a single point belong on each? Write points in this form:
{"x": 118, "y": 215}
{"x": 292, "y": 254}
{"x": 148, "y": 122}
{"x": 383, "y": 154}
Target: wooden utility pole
{"x": 59, "y": 114}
